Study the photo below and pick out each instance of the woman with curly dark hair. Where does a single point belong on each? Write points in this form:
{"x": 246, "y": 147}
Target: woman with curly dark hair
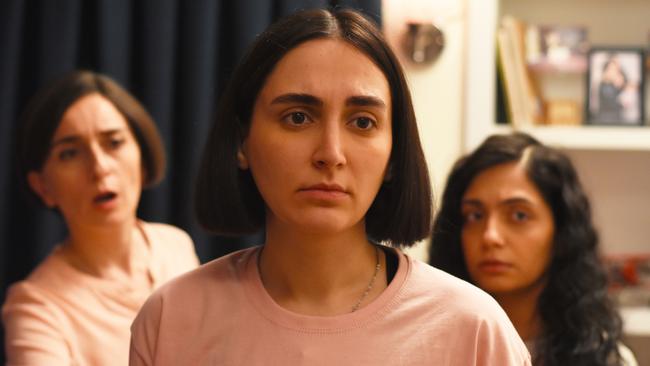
{"x": 515, "y": 221}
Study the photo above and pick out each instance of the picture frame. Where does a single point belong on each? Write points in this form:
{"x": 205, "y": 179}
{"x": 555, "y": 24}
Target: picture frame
{"x": 615, "y": 86}
{"x": 557, "y": 48}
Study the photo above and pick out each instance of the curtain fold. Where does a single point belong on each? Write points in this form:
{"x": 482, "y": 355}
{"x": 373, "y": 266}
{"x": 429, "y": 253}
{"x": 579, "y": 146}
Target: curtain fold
{"x": 175, "y": 56}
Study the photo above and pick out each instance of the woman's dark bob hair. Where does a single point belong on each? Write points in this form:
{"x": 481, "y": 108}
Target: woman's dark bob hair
{"x": 45, "y": 110}
{"x": 579, "y": 323}
{"x": 227, "y": 200}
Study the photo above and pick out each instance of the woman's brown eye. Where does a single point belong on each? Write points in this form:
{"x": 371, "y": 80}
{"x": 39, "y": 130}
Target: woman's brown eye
{"x": 67, "y": 154}
{"x": 298, "y": 118}
{"x": 520, "y": 216}
{"x": 115, "y": 143}
{"x": 472, "y": 217}
{"x": 363, "y": 123}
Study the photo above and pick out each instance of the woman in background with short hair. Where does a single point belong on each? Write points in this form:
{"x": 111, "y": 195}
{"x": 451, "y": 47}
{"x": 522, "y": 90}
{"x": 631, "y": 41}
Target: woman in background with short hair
{"x": 86, "y": 149}
{"x": 516, "y": 222}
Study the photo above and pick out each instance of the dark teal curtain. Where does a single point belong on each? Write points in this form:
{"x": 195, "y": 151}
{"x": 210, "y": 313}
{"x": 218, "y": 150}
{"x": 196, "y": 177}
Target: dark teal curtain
{"x": 174, "y": 56}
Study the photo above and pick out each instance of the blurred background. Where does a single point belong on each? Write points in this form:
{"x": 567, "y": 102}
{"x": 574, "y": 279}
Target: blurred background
{"x": 460, "y": 57}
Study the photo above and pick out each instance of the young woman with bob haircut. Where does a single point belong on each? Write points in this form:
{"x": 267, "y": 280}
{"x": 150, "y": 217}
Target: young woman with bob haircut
{"x": 516, "y": 222}
{"x": 316, "y": 142}
{"x": 86, "y": 149}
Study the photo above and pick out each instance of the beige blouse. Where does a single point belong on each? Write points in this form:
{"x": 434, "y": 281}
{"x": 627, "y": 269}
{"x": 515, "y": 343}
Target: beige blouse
{"x": 61, "y": 316}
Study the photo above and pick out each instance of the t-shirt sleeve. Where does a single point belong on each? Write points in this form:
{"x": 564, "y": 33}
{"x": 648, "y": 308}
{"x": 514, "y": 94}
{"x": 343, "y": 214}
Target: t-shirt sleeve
{"x": 32, "y": 330}
{"x": 144, "y": 332}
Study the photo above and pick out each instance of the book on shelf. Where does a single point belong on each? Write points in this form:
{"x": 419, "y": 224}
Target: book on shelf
{"x": 506, "y": 71}
{"x": 524, "y": 104}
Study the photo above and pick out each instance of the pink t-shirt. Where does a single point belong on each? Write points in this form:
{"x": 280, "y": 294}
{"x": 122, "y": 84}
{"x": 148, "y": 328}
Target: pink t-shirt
{"x": 220, "y": 314}
{"x": 61, "y": 316}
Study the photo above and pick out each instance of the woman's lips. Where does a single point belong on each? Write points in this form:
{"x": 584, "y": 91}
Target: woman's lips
{"x": 494, "y": 266}
{"x": 325, "y": 192}
{"x": 105, "y": 200}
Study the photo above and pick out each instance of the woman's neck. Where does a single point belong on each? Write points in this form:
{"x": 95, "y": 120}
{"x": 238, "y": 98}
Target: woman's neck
{"x": 112, "y": 252}
{"x": 321, "y": 274}
{"x": 522, "y": 310}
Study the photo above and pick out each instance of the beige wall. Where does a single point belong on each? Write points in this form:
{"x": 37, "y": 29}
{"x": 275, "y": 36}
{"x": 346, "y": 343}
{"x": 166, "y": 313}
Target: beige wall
{"x": 436, "y": 88}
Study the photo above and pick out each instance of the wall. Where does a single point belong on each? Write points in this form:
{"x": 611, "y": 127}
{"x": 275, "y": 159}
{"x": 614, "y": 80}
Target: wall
{"x": 437, "y": 88}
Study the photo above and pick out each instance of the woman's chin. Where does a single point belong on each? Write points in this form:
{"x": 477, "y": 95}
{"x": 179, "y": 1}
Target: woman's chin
{"x": 102, "y": 219}
{"x": 325, "y": 223}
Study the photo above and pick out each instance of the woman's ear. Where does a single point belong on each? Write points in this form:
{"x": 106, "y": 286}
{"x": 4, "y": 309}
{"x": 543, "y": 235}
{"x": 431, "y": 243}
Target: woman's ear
{"x": 242, "y": 160}
{"x": 39, "y": 186}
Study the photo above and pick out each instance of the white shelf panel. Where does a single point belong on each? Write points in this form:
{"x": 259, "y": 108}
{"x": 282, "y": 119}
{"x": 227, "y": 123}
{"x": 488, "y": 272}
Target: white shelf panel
{"x": 588, "y": 137}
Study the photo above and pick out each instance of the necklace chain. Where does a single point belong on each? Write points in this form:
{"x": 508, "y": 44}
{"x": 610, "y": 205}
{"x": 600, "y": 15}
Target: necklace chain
{"x": 365, "y": 293}
{"x": 372, "y": 282}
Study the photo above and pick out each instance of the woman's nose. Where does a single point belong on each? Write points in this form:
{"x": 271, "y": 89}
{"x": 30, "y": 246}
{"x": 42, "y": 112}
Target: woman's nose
{"x": 329, "y": 152}
{"x": 99, "y": 162}
{"x": 493, "y": 234}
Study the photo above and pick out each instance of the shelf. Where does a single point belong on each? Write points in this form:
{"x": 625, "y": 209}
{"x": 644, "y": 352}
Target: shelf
{"x": 587, "y": 137}
{"x": 481, "y": 74}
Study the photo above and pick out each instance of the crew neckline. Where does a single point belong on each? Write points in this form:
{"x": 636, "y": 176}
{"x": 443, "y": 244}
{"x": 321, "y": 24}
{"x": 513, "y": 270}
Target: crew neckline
{"x": 272, "y": 311}
{"x": 144, "y": 229}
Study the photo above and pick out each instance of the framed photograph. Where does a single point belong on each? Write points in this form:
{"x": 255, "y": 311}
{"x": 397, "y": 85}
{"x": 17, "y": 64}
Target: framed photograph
{"x": 557, "y": 48}
{"x": 615, "y": 90}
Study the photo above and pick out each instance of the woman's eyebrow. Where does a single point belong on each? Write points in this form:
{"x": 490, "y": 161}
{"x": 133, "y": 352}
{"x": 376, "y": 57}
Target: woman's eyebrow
{"x": 311, "y": 100}
{"x": 65, "y": 140}
{"x": 471, "y": 202}
{"x": 365, "y": 101}
{"x": 298, "y": 98}
{"x": 516, "y": 201}
{"x": 506, "y": 202}
{"x": 111, "y": 132}
{"x": 69, "y": 139}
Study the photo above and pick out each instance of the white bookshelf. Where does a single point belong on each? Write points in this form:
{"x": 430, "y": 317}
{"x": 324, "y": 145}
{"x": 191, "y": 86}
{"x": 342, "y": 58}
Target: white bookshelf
{"x": 596, "y": 15}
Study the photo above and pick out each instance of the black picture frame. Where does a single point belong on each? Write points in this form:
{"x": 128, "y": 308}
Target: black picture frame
{"x": 615, "y": 86}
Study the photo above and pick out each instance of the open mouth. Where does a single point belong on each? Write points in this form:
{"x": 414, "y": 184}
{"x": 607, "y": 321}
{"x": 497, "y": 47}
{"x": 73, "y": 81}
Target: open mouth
{"x": 104, "y": 197}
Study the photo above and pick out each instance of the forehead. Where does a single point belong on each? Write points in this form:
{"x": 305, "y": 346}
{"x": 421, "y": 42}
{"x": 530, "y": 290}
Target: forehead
{"x": 90, "y": 114}
{"x": 327, "y": 67}
{"x": 503, "y": 182}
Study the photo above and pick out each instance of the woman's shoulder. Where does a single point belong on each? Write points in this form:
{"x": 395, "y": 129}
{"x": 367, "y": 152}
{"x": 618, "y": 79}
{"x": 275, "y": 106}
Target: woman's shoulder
{"x": 453, "y": 296}
{"x": 454, "y": 306}
{"x": 186, "y": 298}
{"x": 436, "y": 284}
{"x": 214, "y": 274}
{"x": 40, "y": 293}
{"x": 172, "y": 247}
{"x": 627, "y": 356}
{"x": 50, "y": 276}
{"x": 26, "y": 291}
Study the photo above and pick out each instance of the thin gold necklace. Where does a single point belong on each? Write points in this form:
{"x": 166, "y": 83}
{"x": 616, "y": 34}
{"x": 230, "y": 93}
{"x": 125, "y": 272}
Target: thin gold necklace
{"x": 363, "y": 296}
{"x": 372, "y": 282}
